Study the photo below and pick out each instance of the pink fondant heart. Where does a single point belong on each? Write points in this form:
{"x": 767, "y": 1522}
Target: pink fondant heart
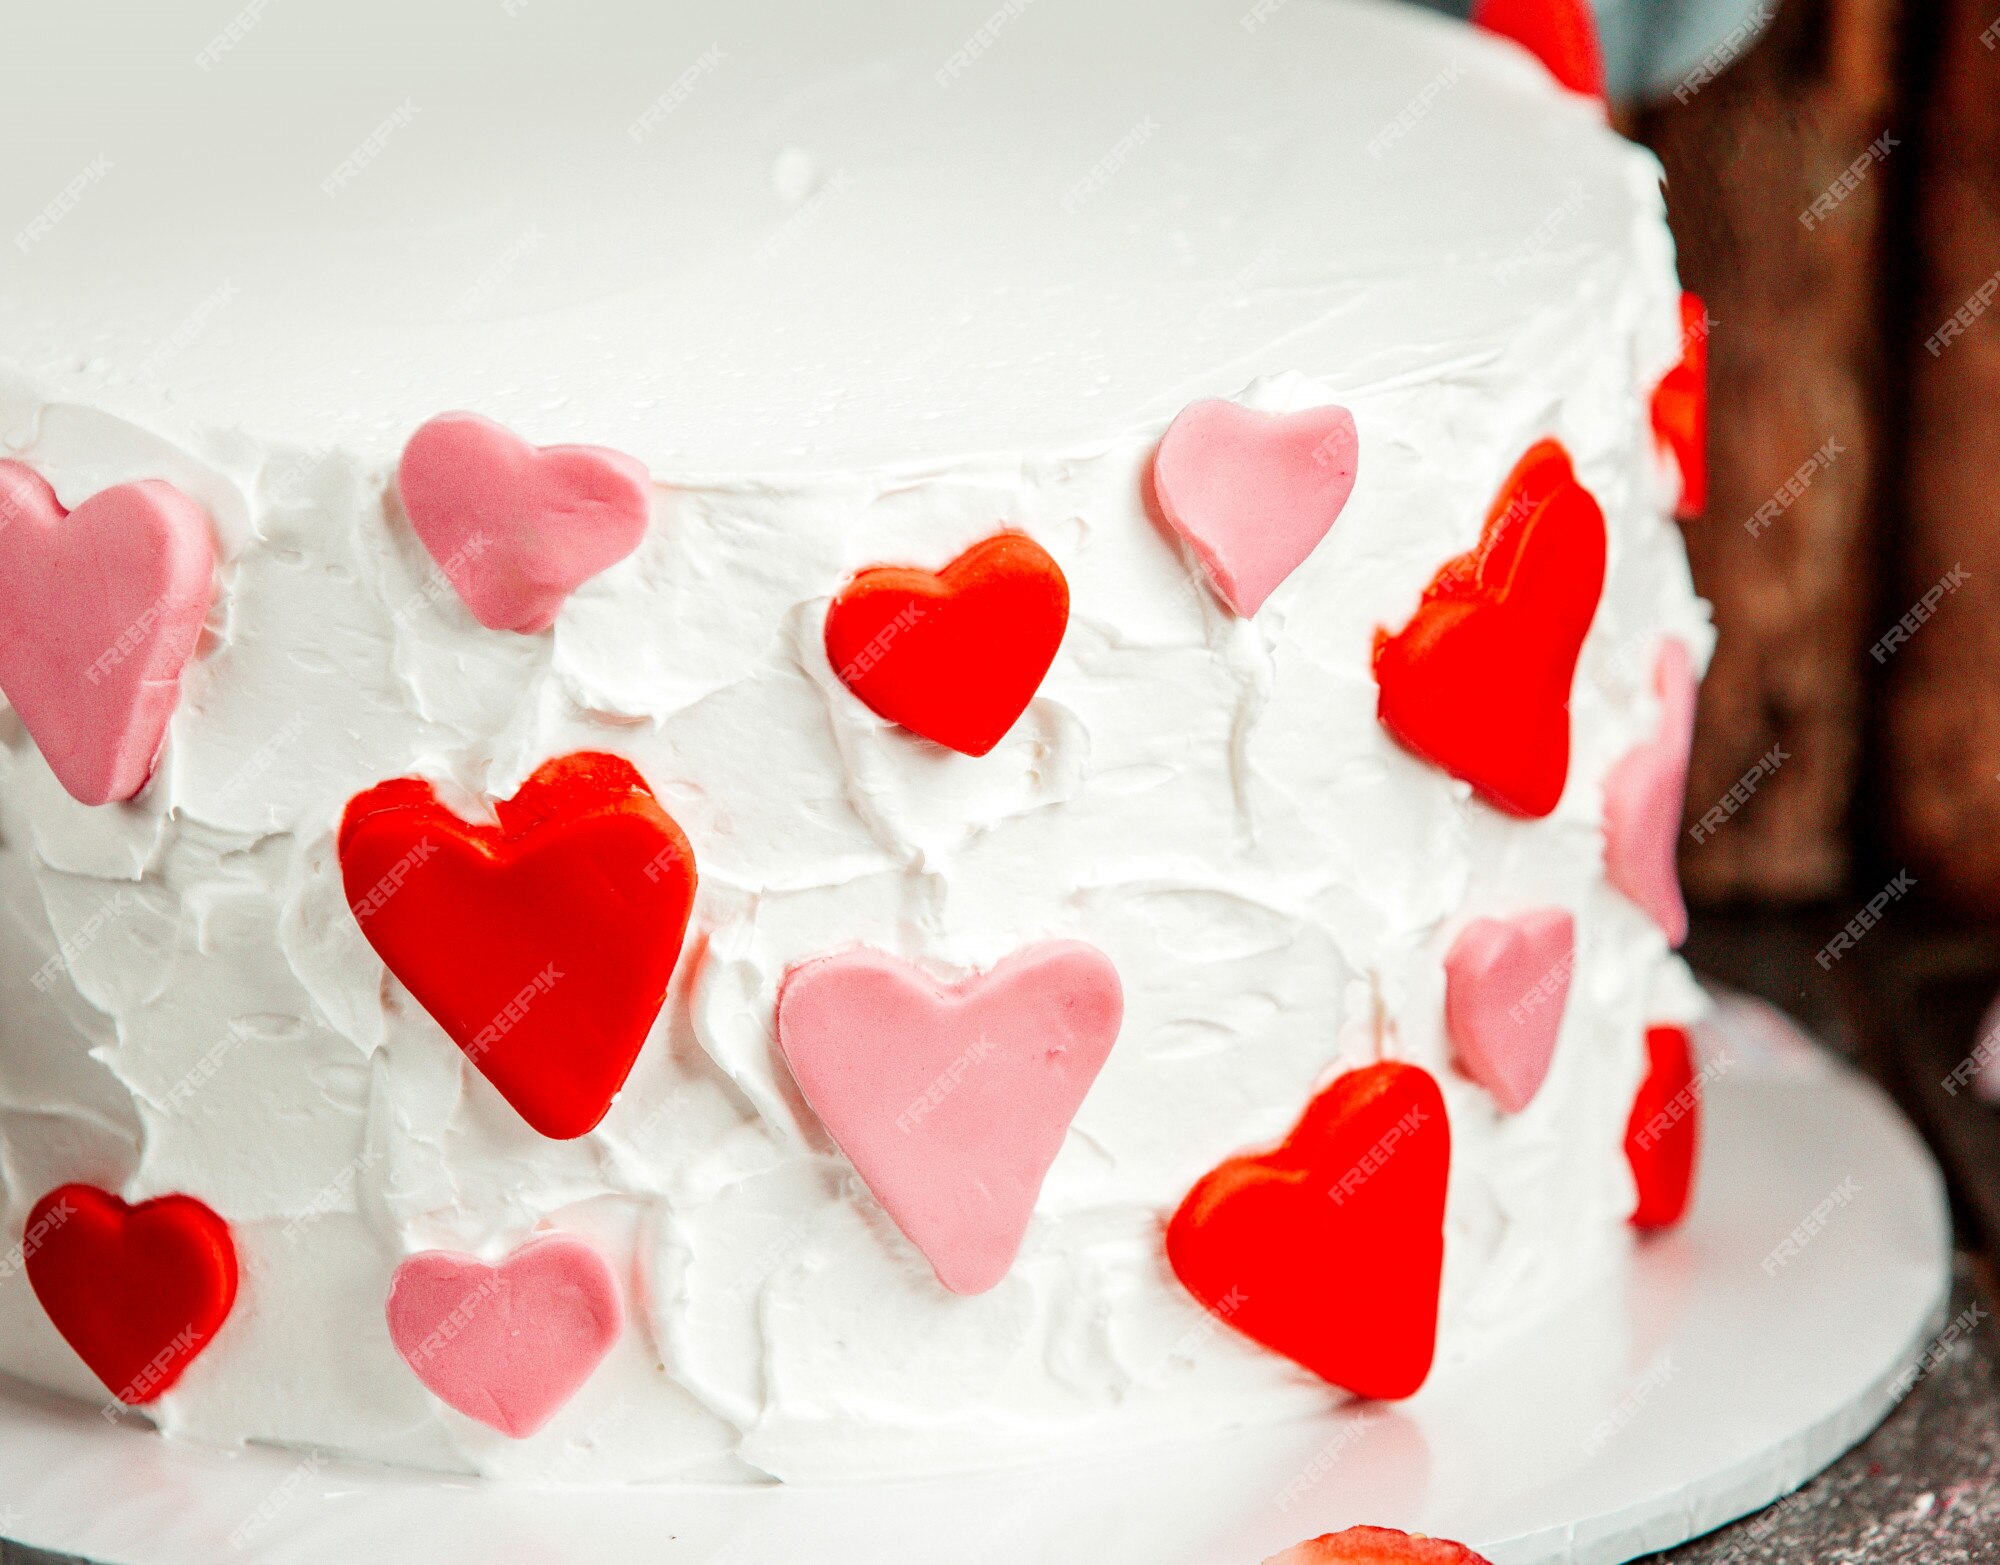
{"x": 1643, "y": 798}
{"x": 1253, "y": 493}
{"x": 952, "y": 1102}
{"x": 516, "y": 528}
{"x": 1506, "y": 983}
{"x": 507, "y": 1344}
{"x": 100, "y": 610}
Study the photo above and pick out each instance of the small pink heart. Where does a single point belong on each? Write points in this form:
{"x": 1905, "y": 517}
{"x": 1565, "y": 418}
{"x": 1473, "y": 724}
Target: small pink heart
{"x": 514, "y": 527}
{"x": 952, "y": 1101}
{"x": 507, "y": 1344}
{"x": 1253, "y": 493}
{"x": 100, "y": 610}
{"x": 1506, "y": 982}
{"x": 1643, "y": 797}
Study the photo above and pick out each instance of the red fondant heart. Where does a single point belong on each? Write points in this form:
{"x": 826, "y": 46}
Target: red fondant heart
{"x": 955, "y": 655}
{"x": 1478, "y": 682}
{"x": 1664, "y": 1131}
{"x": 1680, "y": 408}
{"x": 1562, "y": 34}
{"x": 543, "y": 944}
{"x": 138, "y": 1291}
{"x": 1329, "y": 1248}
{"x": 1376, "y": 1546}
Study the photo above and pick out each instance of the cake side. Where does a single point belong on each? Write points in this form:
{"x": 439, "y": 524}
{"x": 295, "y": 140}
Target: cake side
{"x": 1208, "y": 800}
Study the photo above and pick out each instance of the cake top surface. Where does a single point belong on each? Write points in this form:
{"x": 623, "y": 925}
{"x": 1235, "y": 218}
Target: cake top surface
{"x": 771, "y": 236}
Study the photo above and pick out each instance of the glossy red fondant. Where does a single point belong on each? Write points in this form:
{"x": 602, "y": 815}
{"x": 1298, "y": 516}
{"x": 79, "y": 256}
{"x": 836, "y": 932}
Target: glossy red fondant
{"x": 1664, "y": 1133}
{"x": 1680, "y": 408}
{"x": 1562, "y": 34}
{"x": 1328, "y": 1249}
{"x": 1376, "y": 1546}
{"x": 954, "y": 655}
{"x": 1478, "y": 681}
{"x": 138, "y": 1291}
{"x": 542, "y": 944}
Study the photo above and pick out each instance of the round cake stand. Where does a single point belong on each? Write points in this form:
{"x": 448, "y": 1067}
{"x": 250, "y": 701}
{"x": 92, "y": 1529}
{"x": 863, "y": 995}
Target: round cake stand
{"x": 1732, "y": 1360}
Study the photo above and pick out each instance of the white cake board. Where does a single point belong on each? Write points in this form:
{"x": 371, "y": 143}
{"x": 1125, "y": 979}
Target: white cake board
{"x": 1696, "y": 1388}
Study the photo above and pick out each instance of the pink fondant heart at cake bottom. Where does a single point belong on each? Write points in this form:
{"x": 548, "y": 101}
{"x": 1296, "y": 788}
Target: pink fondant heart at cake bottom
{"x": 952, "y": 1101}
{"x": 1253, "y": 493}
{"x": 100, "y": 610}
{"x": 507, "y": 1344}
{"x": 1506, "y": 984}
{"x": 514, "y": 528}
{"x": 1643, "y": 798}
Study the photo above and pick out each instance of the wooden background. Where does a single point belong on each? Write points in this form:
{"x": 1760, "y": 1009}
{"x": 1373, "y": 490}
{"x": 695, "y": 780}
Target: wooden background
{"x": 1830, "y": 331}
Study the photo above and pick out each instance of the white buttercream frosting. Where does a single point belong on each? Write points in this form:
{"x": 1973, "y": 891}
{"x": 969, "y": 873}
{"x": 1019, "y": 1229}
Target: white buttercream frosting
{"x": 859, "y": 284}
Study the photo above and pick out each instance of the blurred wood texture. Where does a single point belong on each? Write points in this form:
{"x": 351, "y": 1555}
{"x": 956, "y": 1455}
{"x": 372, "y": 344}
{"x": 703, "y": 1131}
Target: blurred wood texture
{"x": 1785, "y": 550}
{"x": 1942, "y": 727}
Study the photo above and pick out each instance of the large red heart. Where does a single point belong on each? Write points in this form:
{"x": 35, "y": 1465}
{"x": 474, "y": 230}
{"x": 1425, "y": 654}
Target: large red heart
{"x": 1562, "y": 34}
{"x": 1663, "y": 1133}
{"x": 138, "y": 1291}
{"x": 1478, "y": 682}
{"x": 1329, "y": 1248}
{"x": 1680, "y": 408}
{"x": 955, "y": 655}
{"x": 542, "y": 944}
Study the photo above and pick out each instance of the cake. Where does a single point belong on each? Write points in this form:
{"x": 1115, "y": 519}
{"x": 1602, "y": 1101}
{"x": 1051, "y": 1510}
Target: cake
{"x": 808, "y": 742}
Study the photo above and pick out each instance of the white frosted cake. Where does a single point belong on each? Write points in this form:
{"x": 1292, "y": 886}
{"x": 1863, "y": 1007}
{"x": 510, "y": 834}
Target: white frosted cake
{"x": 1105, "y": 668}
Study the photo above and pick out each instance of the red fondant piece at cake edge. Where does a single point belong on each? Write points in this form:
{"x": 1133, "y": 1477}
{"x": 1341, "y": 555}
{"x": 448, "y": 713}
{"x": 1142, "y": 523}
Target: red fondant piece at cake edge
{"x": 1680, "y": 408}
{"x": 138, "y": 1291}
{"x": 1329, "y": 1248}
{"x": 954, "y": 655}
{"x": 1664, "y": 1132}
{"x": 1478, "y": 682}
{"x": 1562, "y": 34}
{"x": 1376, "y": 1546}
{"x": 543, "y": 944}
